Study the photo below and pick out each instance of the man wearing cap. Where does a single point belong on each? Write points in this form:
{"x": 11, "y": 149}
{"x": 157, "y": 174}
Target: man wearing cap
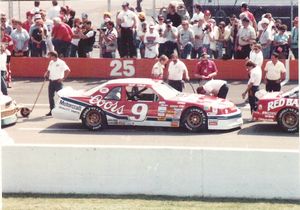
{"x": 171, "y": 35}
{"x": 126, "y": 21}
{"x": 214, "y": 87}
{"x": 265, "y": 38}
{"x": 26, "y": 25}
{"x": 176, "y": 70}
{"x": 294, "y": 38}
{"x": 274, "y": 73}
{"x": 57, "y": 72}
{"x": 206, "y": 69}
{"x": 245, "y": 37}
{"x": 151, "y": 42}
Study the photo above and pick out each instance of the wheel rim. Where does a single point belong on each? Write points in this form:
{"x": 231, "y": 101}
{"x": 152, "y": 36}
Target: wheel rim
{"x": 93, "y": 118}
{"x": 194, "y": 120}
{"x": 290, "y": 120}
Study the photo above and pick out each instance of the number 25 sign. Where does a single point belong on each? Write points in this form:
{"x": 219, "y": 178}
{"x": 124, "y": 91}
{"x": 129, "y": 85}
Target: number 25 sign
{"x": 122, "y": 68}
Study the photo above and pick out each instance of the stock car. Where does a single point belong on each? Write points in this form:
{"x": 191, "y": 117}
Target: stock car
{"x": 145, "y": 102}
{"x": 9, "y": 110}
{"x": 279, "y": 107}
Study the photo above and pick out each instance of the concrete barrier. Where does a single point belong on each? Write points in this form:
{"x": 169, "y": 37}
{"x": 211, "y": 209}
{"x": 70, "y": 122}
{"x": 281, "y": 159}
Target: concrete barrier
{"x": 169, "y": 171}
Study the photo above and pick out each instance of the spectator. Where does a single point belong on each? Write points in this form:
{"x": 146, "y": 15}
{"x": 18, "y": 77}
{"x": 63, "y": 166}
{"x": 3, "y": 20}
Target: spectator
{"x": 29, "y": 21}
{"x": 140, "y": 39}
{"x": 265, "y": 38}
{"x": 49, "y": 25}
{"x": 126, "y": 20}
{"x": 38, "y": 39}
{"x": 221, "y": 34}
{"x": 84, "y": 17}
{"x": 246, "y": 13}
{"x": 246, "y": 36}
{"x": 87, "y": 40}
{"x": 160, "y": 28}
{"x": 151, "y": 39}
{"x": 186, "y": 40}
{"x": 3, "y": 60}
{"x": 198, "y": 14}
{"x": 71, "y": 18}
{"x": 173, "y": 15}
{"x": 206, "y": 69}
{"x": 109, "y": 40}
{"x": 175, "y": 73}
{"x": 158, "y": 68}
{"x": 170, "y": 34}
{"x": 253, "y": 84}
{"x": 61, "y": 37}
{"x": 271, "y": 24}
{"x": 212, "y": 38}
{"x": 232, "y": 29}
{"x": 36, "y": 8}
{"x": 9, "y": 44}
{"x": 182, "y": 12}
{"x": 54, "y": 10}
{"x": 207, "y": 15}
{"x": 256, "y": 55}
{"x": 106, "y": 18}
{"x": 280, "y": 42}
{"x": 199, "y": 35}
{"x": 8, "y": 29}
{"x": 20, "y": 38}
{"x": 206, "y": 38}
{"x": 217, "y": 88}
{"x": 274, "y": 73}
{"x": 57, "y": 72}
{"x": 76, "y": 37}
{"x": 63, "y": 14}
{"x": 294, "y": 38}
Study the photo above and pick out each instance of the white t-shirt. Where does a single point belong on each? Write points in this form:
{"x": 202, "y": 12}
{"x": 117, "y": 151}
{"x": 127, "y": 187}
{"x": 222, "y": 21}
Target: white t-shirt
{"x": 246, "y": 33}
{"x": 197, "y": 16}
{"x": 151, "y": 44}
{"x": 54, "y": 12}
{"x": 274, "y": 71}
{"x": 213, "y": 86}
{"x": 199, "y": 35}
{"x": 57, "y": 69}
{"x": 3, "y": 59}
{"x": 160, "y": 30}
{"x": 127, "y": 18}
{"x": 256, "y": 58}
{"x": 255, "y": 76}
{"x": 176, "y": 70}
{"x": 158, "y": 69}
{"x": 265, "y": 36}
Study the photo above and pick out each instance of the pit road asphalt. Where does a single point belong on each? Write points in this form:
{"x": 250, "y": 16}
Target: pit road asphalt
{"x": 38, "y": 129}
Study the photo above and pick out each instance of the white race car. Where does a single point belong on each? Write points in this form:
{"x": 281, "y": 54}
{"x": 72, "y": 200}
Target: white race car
{"x": 9, "y": 110}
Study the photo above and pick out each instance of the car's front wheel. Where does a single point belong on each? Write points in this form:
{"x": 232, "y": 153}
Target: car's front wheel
{"x": 93, "y": 118}
{"x": 288, "y": 119}
{"x": 194, "y": 120}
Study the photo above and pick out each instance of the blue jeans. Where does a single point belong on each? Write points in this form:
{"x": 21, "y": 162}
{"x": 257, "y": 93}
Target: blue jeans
{"x": 73, "y": 51}
{"x": 219, "y": 50}
{"x": 196, "y": 53}
{"x": 186, "y": 50}
{"x": 62, "y": 48}
{"x": 266, "y": 52}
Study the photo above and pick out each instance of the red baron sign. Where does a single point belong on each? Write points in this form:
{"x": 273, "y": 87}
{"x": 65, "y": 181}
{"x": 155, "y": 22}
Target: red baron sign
{"x": 283, "y": 102}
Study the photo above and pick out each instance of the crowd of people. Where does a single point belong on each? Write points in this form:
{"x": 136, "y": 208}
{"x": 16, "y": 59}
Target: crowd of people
{"x": 134, "y": 35}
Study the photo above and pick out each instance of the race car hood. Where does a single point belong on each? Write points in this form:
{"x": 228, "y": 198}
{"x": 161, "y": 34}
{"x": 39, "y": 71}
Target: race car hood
{"x": 263, "y": 94}
{"x": 70, "y": 92}
{"x": 4, "y": 100}
{"x": 204, "y": 100}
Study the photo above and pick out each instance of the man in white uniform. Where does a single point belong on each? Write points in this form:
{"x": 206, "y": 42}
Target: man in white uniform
{"x": 57, "y": 72}
{"x": 216, "y": 88}
{"x": 176, "y": 70}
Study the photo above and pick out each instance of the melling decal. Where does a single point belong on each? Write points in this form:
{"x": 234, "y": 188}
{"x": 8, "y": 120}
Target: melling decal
{"x": 107, "y": 105}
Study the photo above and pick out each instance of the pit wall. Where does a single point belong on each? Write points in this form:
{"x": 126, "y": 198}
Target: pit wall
{"x": 122, "y": 68}
{"x": 171, "y": 171}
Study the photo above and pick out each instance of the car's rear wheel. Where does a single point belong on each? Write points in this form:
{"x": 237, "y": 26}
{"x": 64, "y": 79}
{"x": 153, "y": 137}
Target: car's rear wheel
{"x": 288, "y": 120}
{"x": 93, "y": 118}
{"x": 194, "y": 120}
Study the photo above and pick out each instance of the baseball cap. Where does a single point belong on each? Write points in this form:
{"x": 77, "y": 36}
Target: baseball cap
{"x": 29, "y": 13}
{"x": 37, "y": 16}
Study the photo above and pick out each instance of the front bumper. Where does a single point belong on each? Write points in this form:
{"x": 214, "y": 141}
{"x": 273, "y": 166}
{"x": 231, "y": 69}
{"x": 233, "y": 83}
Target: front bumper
{"x": 225, "y": 122}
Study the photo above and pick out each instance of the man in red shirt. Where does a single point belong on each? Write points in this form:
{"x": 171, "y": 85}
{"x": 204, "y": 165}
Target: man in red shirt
{"x": 245, "y": 12}
{"x": 206, "y": 69}
{"x": 61, "y": 37}
{"x": 26, "y": 25}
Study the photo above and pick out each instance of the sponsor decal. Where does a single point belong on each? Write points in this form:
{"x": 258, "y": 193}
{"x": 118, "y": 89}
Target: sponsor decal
{"x": 213, "y": 122}
{"x": 283, "y": 102}
{"x": 175, "y": 124}
{"x": 104, "y": 90}
{"x": 107, "y": 105}
{"x": 161, "y": 118}
{"x": 72, "y": 106}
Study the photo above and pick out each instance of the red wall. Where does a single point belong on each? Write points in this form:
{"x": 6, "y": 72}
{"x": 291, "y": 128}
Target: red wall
{"x": 115, "y": 68}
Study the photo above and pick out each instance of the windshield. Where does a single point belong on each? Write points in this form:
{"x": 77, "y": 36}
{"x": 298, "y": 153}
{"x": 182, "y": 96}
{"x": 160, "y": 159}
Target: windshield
{"x": 293, "y": 93}
{"x": 165, "y": 90}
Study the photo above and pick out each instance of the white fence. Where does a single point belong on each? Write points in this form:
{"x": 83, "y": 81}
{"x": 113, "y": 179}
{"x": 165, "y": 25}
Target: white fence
{"x": 151, "y": 171}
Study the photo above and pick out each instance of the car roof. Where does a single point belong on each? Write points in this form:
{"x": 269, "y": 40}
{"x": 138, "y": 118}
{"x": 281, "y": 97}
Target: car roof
{"x": 138, "y": 81}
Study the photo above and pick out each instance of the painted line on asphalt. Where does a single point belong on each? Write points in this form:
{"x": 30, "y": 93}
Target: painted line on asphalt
{"x": 52, "y": 129}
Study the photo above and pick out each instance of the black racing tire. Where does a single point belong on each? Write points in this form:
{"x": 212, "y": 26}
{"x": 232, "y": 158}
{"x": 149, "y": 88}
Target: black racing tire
{"x": 25, "y": 112}
{"x": 194, "y": 120}
{"x": 288, "y": 120}
{"x": 93, "y": 118}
